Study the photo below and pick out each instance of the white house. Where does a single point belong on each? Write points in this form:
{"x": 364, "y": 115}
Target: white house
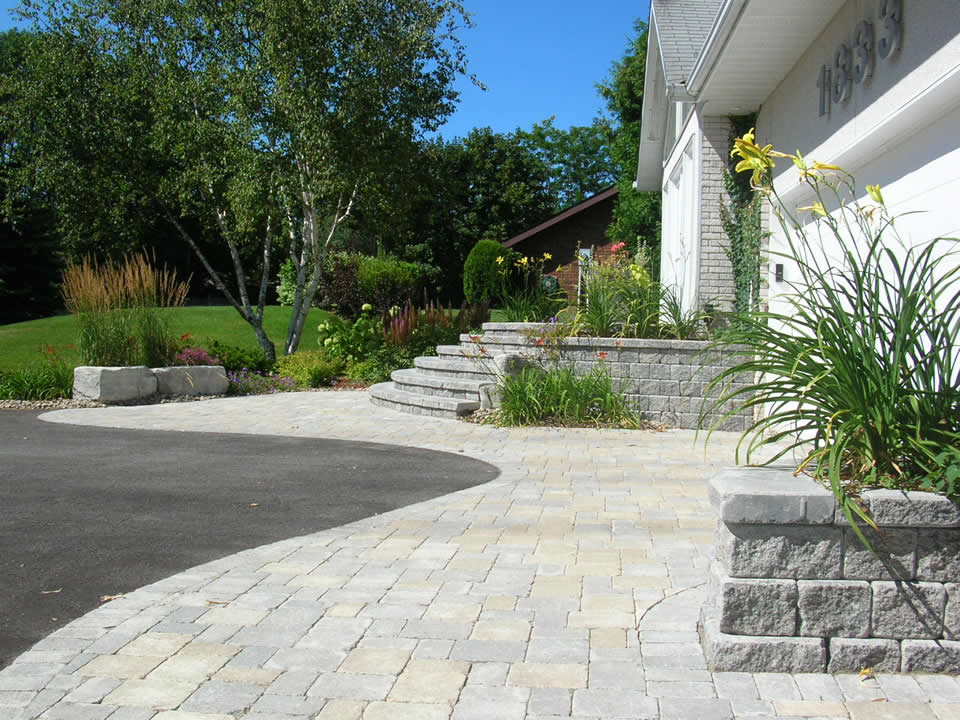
{"x": 870, "y": 85}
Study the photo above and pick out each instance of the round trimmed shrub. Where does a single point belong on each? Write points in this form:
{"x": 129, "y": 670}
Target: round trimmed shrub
{"x": 482, "y": 280}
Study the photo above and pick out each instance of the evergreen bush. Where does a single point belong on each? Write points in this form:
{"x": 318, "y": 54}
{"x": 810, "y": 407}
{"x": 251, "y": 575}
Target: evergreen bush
{"x": 482, "y": 277}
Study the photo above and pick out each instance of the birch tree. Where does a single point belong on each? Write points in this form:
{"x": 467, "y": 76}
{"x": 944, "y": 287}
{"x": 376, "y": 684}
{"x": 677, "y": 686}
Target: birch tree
{"x": 265, "y": 119}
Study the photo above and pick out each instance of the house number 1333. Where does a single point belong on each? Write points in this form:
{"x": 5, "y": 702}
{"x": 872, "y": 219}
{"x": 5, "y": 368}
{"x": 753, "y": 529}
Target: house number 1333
{"x": 855, "y": 64}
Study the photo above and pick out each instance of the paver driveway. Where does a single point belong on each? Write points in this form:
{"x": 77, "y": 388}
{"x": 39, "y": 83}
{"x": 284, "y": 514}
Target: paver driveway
{"x": 567, "y": 587}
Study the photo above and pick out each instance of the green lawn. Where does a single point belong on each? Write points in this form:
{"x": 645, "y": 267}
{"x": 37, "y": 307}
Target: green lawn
{"x": 22, "y": 343}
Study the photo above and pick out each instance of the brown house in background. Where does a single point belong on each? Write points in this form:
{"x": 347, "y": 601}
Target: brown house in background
{"x": 582, "y": 226}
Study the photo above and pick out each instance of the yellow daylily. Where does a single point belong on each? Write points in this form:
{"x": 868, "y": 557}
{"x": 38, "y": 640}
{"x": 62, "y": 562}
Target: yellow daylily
{"x": 547, "y": 256}
{"x": 754, "y": 158}
{"x": 874, "y": 192}
{"x": 500, "y": 260}
{"x": 817, "y": 207}
{"x": 824, "y": 166}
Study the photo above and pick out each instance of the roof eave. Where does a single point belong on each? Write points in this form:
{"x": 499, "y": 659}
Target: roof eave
{"x": 727, "y": 19}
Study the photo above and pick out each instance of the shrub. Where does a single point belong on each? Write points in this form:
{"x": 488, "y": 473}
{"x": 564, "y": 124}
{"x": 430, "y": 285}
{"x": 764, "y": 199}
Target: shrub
{"x": 286, "y": 283}
{"x": 351, "y": 342}
{"x": 386, "y": 282}
{"x": 310, "y": 369}
{"x": 559, "y": 394}
{"x": 860, "y": 375}
{"x": 255, "y": 382}
{"x": 117, "y": 306}
{"x": 620, "y": 298}
{"x": 195, "y": 356}
{"x": 482, "y": 279}
{"x": 45, "y": 379}
{"x": 348, "y": 281}
{"x": 234, "y": 358}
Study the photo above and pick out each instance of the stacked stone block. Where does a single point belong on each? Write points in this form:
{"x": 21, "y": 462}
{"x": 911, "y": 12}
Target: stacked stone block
{"x": 793, "y": 588}
{"x": 664, "y": 380}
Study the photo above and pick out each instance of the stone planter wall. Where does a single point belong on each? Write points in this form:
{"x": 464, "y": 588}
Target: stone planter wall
{"x": 793, "y": 589}
{"x": 129, "y": 384}
{"x": 664, "y": 380}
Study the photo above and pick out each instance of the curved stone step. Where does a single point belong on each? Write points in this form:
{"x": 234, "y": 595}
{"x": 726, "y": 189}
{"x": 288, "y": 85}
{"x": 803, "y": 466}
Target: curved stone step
{"x": 388, "y": 395}
{"x": 457, "y": 351}
{"x": 413, "y": 381}
{"x": 453, "y": 367}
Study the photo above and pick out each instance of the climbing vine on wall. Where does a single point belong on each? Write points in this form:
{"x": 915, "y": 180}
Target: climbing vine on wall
{"x": 742, "y": 224}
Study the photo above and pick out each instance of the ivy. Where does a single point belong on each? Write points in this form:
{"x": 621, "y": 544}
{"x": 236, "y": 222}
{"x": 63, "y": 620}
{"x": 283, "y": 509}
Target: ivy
{"x": 742, "y": 224}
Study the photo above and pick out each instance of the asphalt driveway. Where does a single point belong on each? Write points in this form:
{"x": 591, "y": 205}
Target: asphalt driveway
{"x": 87, "y": 512}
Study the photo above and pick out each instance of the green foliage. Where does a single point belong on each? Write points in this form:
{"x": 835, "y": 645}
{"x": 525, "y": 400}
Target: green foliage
{"x": 578, "y": 158}
{"x": 257, "y": 382}
{"x": 683, "y": 323}
{"x": 862, "y": 368}
{"x": 482, "y": 279}
{"x": 527, "y": 294}
{"x": 560, "y": 395}
{"x": 202, "y": 326}
{"x": 636, "y": 215}
{"x": 620, "y": 298}
{"x": 118, "y": 309}
{"x": 264, "y": 121}
{"x": 46, "y": 379}
{"x": 234, "y": 358}
{"x": 349, "y": 280}
{"x": 30, "y": 260}
{"x": 385, "y": 281}
{"x": 286, "y": 283}
{"x": 310, "y": 368}
{"x": 352, "y": 342}
{"x": 742, "y": 224}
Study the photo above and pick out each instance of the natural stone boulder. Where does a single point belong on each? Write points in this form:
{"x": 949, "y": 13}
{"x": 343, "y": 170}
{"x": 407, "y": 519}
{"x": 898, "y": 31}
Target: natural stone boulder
{"x": 113, "y": 384}
{"x": 191, "y": 380}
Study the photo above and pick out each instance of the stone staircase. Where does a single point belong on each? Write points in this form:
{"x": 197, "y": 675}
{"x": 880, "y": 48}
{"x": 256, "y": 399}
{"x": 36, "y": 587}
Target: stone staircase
{"x": 450, "y": 383}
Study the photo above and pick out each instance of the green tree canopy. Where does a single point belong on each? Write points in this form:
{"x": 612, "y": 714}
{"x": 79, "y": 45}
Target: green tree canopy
{"x": 578, "y": 159}
{"x": 266, "y": 120}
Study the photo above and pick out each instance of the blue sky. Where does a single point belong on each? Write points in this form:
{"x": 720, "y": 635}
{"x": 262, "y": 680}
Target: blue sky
{"x": 538, "y": 58}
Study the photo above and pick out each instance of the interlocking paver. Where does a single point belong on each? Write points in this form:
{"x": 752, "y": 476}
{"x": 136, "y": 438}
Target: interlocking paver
{"x": 568, "y": 587}
{"x": 157, "y": 693}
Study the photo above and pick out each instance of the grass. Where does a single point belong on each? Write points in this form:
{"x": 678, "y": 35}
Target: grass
{"x": 21, "y": 343}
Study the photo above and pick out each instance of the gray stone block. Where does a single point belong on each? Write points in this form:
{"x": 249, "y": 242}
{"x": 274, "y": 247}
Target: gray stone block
{"x": 780, "y": 551}
{"x": 898, "y": 508}
{"x": 951, "y": 616}
{"x": 907, "y": 609}
{"x": 766, "y": 496}
{"x": 191, "y": 380}
{"x": 755, "y": 607}
{"x": 893, "y": 556}
{"x": 113, "y": 384}
{"x": 938, "y": 555}
{"x": 931, "y": 656}
{"x": 854, "y": 654}
{"x": 746, "y": 653}
{"x": 834, "y": 608}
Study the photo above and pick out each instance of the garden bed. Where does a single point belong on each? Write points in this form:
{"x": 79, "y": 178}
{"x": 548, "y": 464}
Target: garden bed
{"x": 664, "y": 381}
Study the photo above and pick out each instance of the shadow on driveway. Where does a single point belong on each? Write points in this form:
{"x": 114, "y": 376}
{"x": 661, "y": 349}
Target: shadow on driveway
{"x": 87, "y": 512}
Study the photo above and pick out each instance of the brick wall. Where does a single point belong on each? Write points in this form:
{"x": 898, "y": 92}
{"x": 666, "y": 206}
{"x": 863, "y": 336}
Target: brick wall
{"x": 716, "y": 273}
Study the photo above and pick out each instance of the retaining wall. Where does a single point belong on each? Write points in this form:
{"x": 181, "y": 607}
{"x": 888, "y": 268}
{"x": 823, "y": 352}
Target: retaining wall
{"x": 664, "y": 380}
{"x": 793, "y": 589}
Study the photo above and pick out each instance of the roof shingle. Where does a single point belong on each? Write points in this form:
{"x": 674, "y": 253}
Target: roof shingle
{"x": 683, "y": 27}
